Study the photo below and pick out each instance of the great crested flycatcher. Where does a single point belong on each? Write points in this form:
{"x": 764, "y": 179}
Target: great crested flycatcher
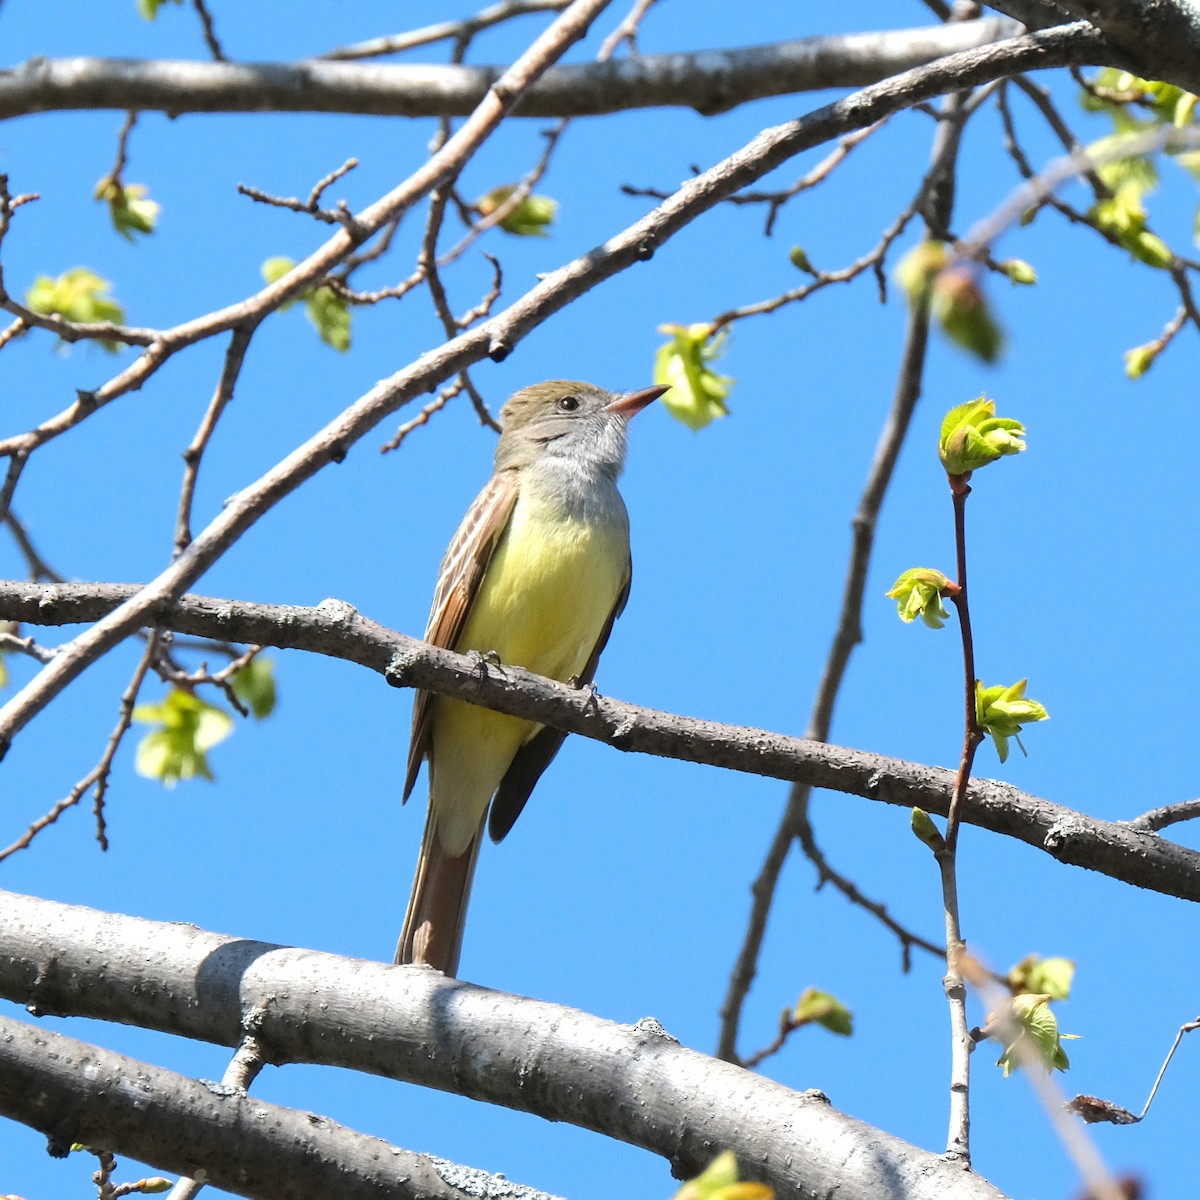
{"x": 537, "y": 573}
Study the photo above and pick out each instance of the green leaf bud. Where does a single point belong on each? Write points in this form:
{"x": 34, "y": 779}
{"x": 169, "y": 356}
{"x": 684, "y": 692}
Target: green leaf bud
{"x": 973, "y": 436}
{"x": 824, "y": 1009}
{"x": 1019, "y": 271}
{"x": 961, "y": 308}
{"x": 918, "y": 593}
{"x": 926, "y": 831}
{"x": 1001, "y": 712}
{"x": 1140, "y": 359}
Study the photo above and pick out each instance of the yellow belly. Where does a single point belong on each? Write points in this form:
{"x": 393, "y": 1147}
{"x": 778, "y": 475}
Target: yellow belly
{"x": 543, "y": 604}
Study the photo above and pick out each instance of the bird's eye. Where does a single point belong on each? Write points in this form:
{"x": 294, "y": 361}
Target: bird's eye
{"x": 568, "y": 403}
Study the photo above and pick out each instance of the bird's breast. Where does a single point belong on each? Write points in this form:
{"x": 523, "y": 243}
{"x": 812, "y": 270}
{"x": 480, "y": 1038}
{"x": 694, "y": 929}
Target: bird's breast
{"x": 551, "y": 586}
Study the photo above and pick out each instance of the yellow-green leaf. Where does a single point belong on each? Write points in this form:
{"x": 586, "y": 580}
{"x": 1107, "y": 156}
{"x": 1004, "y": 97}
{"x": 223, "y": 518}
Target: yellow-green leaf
{"x": 79, "y": 296}
{"x": 824, "y": 1009}
{"x": 532, "y": 217}
{"x": 972, "y": 436}
{"x": 254, "y": 686}
{"x": 128, "y": 207}
{"x": 918, "y": 593}
{"x": 719, "y": 1181}
{"x": 185, "y": 729}
{"x": 684, "y": 364}
{"x": 1037, "y": 1037}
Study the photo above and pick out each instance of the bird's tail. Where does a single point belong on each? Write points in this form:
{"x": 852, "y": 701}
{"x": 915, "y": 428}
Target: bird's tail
{"x": 437, "y": 908}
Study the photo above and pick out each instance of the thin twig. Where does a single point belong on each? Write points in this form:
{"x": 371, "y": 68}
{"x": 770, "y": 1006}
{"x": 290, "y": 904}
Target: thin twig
{"x": 626, "y": 31}
{"x": 235, "y": 356}
{"x": 1167, "y": 814}
{"x": 443, "y": 31}
{"x": 1188, "y": 1027}
{"x": 210, "y": 31}
{"x": 39, "y": 568}
{"x": 16, "y": 464}
{"x": 422, "y": 418}
{"x": 796, "y": 823}
{"x": 10, "y": 643}
{"x": 116, "y": 175}
{"x": 340, "y": 214}
{"x": 99, "y": 774}
{"x": 484, "y": 308}
{"x": 847, "y": 636}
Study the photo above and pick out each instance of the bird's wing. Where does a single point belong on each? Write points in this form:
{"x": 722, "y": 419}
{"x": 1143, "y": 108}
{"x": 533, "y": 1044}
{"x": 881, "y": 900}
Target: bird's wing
{"x": 466, "y": 560}
{"x": 537, "y": 753}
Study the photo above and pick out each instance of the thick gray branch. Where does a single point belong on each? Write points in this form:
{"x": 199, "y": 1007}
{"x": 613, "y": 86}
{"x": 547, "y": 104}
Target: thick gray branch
{"x": 634, "y": 1083}
{"x": 1135, "y": 856}
{"x": 1160, "y": 37}
{"x": 75, "y": 1092}
{"x": 709, "y": 81}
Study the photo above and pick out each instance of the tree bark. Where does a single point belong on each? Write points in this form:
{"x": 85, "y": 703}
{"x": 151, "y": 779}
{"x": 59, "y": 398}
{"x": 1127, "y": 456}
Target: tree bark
{"x": 709, "y": 81}
{"x": 630, "y": 1082}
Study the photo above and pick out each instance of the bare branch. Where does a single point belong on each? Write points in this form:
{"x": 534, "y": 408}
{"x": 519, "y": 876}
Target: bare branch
{"x": 74, "y": 1092}
{"x": 210, "y": 30}
{"x": 1162, "y": 32}
{"x": 497, "y": 336}
{"x": 98, "y": 775}
{"x": 235, "y": 356}
{"x": 444, "y": 31}
{"x": 711, "y": 81}
{"x": 1112, "y": 848}
{"x": 635, "y": 1083}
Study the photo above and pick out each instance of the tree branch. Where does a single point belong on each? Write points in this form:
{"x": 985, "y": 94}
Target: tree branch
{"x": 634, "y": 1083}
{"x": 1134, "y": 856}
{"x": 709, "y": 81}
{"x": 75, "y": 1092}
{"x": 497, "y": 336}
{"x": 1161, "y": 37}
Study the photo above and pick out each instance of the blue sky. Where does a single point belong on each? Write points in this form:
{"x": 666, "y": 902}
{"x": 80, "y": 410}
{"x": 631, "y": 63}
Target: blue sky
{"x": 624, "y": 888}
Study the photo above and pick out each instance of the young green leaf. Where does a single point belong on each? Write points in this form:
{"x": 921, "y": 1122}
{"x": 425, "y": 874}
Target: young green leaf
{"x": 719, "y": 1181}
{"x": 327, "y": 312}
{"x": 330, "y": 316}
{"x": 1002, "y": 711}
{"x": 799, "y": 259}
{"x": 822, "y": 1008}
{"x": 532, "y": 217}
{"x": 698, "y": 393}
{"x": 973, "y": 436}
{"x": 918, "y": 269}
{"x": 918, "y": 593}
{"x": 78, "y": 295}
{"x": 254, "y": 686}
{"x": 1019, "y": 271}
{"x": 129, "y": 209}
{"x": 1037, "y": 1037}
{"x": 961, "y": 308}
{"x": 149, "y": 8}
{"x": 1051, "y": 976}
{"x": 186, "y": 728}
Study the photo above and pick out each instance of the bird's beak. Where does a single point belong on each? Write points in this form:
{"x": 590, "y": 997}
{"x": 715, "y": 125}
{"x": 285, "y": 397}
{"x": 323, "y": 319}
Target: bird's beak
{"x": 630, "y": 405}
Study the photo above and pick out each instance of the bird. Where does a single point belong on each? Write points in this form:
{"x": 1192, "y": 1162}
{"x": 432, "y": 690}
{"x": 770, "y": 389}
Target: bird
{"x": 535, "y": 576}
